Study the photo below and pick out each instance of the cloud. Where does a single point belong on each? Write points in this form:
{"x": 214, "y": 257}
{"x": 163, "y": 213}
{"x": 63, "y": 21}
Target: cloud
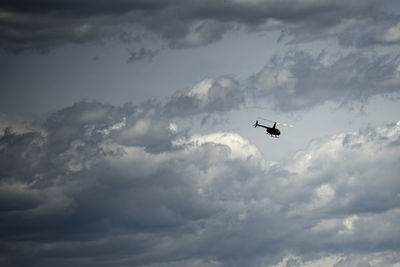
{"x": 20, "y": 124}
{"x": 296, "y": 81}
{"x": 299, "y": 80}
{"x": 43, "y": 25}
{"x": 92, "y": 190}
{"x": 211, "y": 95}
{"x": 391, "y": 35}
{"x": 142, "y": 54}
{"x": 384, "y": 32}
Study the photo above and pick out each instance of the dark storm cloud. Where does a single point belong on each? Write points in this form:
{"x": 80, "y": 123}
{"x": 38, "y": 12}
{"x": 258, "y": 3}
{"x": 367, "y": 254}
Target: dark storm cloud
{"x": 90, "y": 189}
{"x": 299, "y": 80}
{"x": 42, "y": 25}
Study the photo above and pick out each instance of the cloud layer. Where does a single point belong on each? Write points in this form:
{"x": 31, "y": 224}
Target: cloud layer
{"x": 294, "y": 81}
{"x": 298, "y": 80}
{"x": 105, "y": 186}
{"x": 211, "y": 95}
{"x": 44, "y": 25}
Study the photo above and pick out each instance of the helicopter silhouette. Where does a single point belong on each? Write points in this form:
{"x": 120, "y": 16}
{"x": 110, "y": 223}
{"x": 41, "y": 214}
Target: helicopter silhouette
{"x": 273, "y": 131}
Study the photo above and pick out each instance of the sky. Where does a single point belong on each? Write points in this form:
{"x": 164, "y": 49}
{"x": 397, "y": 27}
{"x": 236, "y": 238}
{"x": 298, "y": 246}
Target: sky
{"x": 127, "y": 133}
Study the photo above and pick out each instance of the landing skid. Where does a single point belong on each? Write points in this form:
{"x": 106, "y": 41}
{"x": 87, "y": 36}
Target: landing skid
{"x": 274, "y": 136}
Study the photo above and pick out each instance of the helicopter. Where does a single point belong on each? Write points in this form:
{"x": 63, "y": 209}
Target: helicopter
{"x": 273, "y": 131}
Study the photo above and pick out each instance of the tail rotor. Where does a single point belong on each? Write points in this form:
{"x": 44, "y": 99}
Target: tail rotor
{"x": 255, "y": 124}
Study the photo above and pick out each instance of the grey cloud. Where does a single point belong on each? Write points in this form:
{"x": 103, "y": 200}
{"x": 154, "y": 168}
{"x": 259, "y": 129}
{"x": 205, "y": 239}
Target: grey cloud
{"x": 295, "y": 81}
{"x": 383, "y": 259}
{"x": 83, "y": 119}
{"x": 94, "y": 194}
{"x": 300, "y": 81}
{"x": 147, "y": 126}
{"x": 143, "y": 125}
{"x": 384, "y": 32}
{"x": 212, "y": 95}
{"x": 44, "y": 25}
{"x": 20, "y": 124}
{"x": 142, "y": 54}
{"x": 12, "y": 159}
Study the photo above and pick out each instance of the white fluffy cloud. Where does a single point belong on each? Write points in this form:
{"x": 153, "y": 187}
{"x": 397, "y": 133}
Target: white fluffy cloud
{"x": 211, "y": 95}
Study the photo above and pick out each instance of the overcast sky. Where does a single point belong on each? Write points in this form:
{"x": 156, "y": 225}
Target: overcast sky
{"x": 127, "y": 138}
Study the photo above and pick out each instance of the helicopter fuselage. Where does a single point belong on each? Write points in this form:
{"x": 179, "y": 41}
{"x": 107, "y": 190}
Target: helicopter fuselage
{"x": 273, "y": 131}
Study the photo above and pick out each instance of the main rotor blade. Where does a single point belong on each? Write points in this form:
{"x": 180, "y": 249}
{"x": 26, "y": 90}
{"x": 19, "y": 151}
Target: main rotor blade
{"x": 285, "y": 124}
{"x": 264, "y": 119}
{"x": 279, "y": 123}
